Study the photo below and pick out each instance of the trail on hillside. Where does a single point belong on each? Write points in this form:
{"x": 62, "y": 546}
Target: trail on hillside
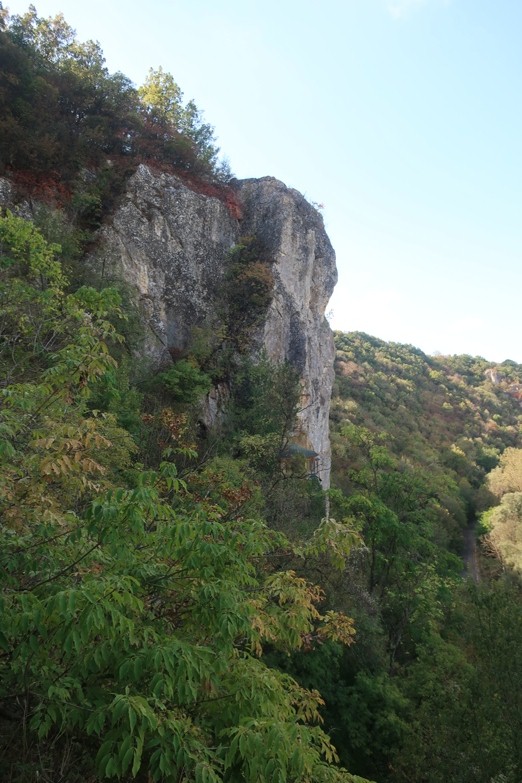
{"x": 470, "y": 553}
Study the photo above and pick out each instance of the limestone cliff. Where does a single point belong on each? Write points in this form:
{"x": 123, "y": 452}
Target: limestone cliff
{"x": 171, "y": 244}
{"x": 305, "y": 274}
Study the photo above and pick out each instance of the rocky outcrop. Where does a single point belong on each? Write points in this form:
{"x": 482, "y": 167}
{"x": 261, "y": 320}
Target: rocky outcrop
{"x": 170, "y": 245}
{"x": 11, "y": 199}
{"x": 305, "y": 274}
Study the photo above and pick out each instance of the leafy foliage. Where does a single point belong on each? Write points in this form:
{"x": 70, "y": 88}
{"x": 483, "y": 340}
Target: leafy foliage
{"x": 503, "y": 525}
{"x": 62, "y": 112}
{"x": 466, "y": 691}
{"x": 249, "y": 287}
{"x": 185, "y": 381}
{"x": 133, "y": 612}
{"x": 153, "y": 626}
{"x": 161, "y": 99}
{"x": 413, "y": 440}
{"x": 507, "y": 476}
{"x": 452, "y": 416}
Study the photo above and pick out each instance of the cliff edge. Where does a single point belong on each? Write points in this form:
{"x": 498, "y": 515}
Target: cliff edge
{"x": 171, "y": 246}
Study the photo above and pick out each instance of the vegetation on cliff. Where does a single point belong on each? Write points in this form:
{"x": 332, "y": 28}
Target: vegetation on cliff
{"x": 71, "y": 131}
{"x": 137, "y": 602}
{"x": 174, "y": 606}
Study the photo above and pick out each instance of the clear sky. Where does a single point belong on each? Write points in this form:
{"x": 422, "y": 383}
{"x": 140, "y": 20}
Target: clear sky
{"x": 402, "y": 117}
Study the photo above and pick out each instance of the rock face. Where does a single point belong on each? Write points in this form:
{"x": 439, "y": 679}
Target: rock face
{"x": 170, "y": 245}
{"x": 305, "y": 275}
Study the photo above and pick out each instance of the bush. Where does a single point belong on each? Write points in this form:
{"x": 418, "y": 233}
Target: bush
{"x": 249, "y": 291}
{"x": 185, "y": 382}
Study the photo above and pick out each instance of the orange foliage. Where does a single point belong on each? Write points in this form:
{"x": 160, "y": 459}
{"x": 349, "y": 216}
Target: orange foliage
{"x": 44, "y": 186}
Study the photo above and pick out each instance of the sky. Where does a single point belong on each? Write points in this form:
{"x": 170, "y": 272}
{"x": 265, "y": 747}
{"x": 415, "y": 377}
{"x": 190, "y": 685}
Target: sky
{"x": 402, "y": 118}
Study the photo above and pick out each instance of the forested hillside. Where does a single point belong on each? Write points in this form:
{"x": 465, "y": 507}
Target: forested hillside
{"x": 71, "y": 132}
{"x": 432, "y": 691}
{"x": 145, "y": 575}
{"x": 184, "y": 602}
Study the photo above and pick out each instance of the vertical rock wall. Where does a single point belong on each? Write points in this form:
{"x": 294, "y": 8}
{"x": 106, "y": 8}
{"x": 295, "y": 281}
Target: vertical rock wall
{"x": 305, "y": 275}
{"x": 170, "y": 246}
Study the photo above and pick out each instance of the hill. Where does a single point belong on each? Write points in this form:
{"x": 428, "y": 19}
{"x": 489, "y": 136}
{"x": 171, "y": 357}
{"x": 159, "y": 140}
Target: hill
{"x": 181, "y": 599}
{"x": 422, "y": 445}
{"x": 450, "y": 415}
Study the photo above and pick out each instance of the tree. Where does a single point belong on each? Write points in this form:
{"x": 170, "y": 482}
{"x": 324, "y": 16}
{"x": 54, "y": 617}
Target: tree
{"x": 161, "y": 98}
{"x": 507, "y": 477}
{"x": 162, "y": 102}
{"x": 48, "y": 39}
{"x": 133, "y": 616}
{"x": 465, "y": 691}
{"x": 397, "y": 510}
{"x": 504, "y": 526}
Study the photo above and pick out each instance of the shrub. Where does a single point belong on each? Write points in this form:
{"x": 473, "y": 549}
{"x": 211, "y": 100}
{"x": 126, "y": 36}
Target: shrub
{"x": 185, "y": 382}
{"x": 249, "y": 288}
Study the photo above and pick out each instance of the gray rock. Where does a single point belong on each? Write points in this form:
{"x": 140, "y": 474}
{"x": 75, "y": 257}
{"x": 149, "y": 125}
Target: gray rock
{"x": 305, "y": 275}
{"x": 6, "y": 192}
{"x": 170, "y": 246}
{"x": 9, "y": 200}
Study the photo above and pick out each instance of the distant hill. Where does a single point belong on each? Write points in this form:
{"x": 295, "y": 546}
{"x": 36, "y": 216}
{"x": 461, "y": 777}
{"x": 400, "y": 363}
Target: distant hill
{"x": 450, "y": 415}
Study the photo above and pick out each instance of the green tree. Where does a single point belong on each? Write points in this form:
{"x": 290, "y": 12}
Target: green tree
{"x": 265, "y": 400}
{"x": 133, "y": 616}
{"x": 503, "y": 524}
{"x": 185, "y": 381}
{"x": 47, "y": 39}
{"x": 249, "y": 287}
{"x": 465, "y": 691}
{"x": 507, "y": 477}
{"x": 161, "y": 97}
{"x": 162, "y": 102}
{"x": 62, "y": 111}
{"x": 397, "y": 510}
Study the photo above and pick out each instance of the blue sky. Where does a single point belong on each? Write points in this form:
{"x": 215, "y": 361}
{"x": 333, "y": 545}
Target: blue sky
{"x": 402, "y": 117}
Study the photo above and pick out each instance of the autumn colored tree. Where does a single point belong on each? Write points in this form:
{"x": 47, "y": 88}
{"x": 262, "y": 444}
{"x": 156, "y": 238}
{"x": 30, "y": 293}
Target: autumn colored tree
{"x": 133, "y": 615}
{"x": 503, "y": 526}
{"x": 507, "y": 476}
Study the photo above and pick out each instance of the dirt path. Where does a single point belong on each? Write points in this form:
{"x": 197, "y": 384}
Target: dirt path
{"x": 470, "y": 554}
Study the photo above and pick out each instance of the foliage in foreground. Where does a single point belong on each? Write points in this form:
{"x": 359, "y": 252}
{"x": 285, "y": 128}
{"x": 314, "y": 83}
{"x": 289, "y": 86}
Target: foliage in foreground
{"x": 132, "y": 616}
